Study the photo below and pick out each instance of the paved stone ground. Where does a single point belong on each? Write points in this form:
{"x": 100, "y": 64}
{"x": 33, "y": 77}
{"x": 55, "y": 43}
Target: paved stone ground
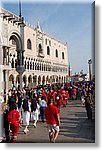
{"x": 75, "y": 127}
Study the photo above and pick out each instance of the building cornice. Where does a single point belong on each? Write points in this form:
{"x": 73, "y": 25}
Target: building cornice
{"x": 34, "y": 28}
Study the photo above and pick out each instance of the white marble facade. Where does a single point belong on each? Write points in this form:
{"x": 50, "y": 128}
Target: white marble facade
{"x": 45, "y": 57}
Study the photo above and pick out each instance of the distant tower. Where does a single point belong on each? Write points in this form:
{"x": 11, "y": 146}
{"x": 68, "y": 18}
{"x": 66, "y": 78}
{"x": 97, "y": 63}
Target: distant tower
{"x": 70, "y": 70}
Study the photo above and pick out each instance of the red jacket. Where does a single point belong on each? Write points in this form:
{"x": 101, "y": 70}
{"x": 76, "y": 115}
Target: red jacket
{"x": 13, "y": 117}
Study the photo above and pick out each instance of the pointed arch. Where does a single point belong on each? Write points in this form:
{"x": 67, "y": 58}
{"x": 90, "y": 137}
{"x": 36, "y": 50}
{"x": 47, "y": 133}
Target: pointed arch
{"x": 29, "y": 44}
{"x": 15, "y": 37}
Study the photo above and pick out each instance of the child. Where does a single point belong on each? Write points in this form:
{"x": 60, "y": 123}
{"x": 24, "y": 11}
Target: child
{"x": 14, "y": 119}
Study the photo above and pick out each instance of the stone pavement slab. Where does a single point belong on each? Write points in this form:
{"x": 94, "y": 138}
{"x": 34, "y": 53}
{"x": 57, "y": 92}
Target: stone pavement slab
{"x": 75, "y": 127}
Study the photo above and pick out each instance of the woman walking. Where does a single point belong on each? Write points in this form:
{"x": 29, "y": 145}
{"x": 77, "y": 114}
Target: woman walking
{"x": 34, "y": 110}
{"x": 26, "y": 113}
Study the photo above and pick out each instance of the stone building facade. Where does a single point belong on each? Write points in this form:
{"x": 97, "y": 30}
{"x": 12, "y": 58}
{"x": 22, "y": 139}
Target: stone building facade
{"x": 45, "y": 57}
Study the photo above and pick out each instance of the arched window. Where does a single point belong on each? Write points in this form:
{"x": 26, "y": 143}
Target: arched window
{"x": 28, "y": 65}
{"x": 62, "y": 55}
{"x": 33, "y": 65}
{"x": 40, "y": 66}
{"x": 48, "y": 50}
{"x": 12, "y": 63}
{"x": 37, "y": 66}
{"x": 44, "y": 67}
{"x": 46, "y": 41}
{"x": 15, "y": 63}
{"x": 25, "y": 64}
{"x": 40, "y": 48}
{"x": 29, "y": 45}
{"x": 24, "y": 79}
{"x": 56, "y": 53}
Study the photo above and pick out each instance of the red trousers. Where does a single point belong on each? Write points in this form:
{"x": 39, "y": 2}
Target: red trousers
{"x": 14, "y": 129}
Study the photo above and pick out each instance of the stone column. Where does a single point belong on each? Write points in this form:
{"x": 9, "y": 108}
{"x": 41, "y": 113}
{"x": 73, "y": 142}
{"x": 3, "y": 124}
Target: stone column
{"x": 5, "y": 55}
{"x": 27, "y": 81}
{"x": 6, "y": 85}
{"x": 32, "y": 82}
{"x": 37, "y": 80}
{"x": 41, "y": 80}
{"x": 20, "y": 77}
{"x": 1, "y": 54}
{"x": 15, "y": 84}
{"x": 1, "y": 78}
{"x": 55, "y": 79}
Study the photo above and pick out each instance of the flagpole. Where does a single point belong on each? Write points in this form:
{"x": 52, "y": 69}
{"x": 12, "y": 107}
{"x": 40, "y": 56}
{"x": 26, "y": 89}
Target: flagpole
{"x": 20, "y": 8}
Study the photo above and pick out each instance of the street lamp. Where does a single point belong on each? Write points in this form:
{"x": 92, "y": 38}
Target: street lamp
{"x": 20, "y": 68}
{"x": 90, "y": 62}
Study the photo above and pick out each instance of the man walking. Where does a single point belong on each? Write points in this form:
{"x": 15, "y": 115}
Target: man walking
{"x": 53, "y": 120}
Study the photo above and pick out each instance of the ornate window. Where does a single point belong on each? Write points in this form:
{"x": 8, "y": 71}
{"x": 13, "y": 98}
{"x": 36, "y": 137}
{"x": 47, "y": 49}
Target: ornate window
{"x": 28, "y": 65}
{"x": 48, "y": 50}
{"x": 37, "y": 66}
{"x": 29, "y": 45}
{"x": 12, "y": 63}
{"x": 40, "y": 48}
{"x": 15, "y": 63}
{"x": 62, "y": 55}
{"x": 42, "y": 67}
{"x": 25, "y": 64}
{"x": 46, "y": 41}
{"x": 50, "y": 42}
{"x": 33, "y": 65}
{"x": 56, "y": 53}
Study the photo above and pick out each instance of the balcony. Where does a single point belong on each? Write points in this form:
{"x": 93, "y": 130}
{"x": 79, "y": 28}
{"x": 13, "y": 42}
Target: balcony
{"x": 40, "y": 55}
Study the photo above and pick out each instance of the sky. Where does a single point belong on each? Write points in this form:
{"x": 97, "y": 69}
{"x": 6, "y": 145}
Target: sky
{"x": 69, "y": 22}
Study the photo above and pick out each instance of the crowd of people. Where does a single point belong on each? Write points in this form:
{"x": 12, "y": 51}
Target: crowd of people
{"x": 35, "y": 104}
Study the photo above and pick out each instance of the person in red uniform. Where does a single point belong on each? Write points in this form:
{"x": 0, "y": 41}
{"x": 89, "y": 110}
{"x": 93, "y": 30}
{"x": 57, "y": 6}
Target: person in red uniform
{"x": 48, "y": 94}
{"x": 59, "y": 99}
{"x": 54, "y": 97}
{"x": 63, "y": 100}
{"x": 14, "y": 119}
{"x": 66, "y": 96}
{"x": 52, "y": 120}
{"x": 74, "y": 91}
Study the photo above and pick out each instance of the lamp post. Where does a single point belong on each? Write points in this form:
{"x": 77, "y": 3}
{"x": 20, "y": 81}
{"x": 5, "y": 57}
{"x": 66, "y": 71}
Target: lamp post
{"x": 20, "y": 52}
{"x": 90, "y": 62}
